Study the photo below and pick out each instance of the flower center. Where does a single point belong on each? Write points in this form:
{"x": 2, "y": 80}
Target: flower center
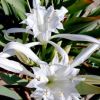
{"x": 51, "y": 81}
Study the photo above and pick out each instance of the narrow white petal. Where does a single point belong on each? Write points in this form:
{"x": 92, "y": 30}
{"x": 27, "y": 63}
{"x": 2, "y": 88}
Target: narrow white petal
{"x": 10, "y": 65}
{"x": 60, "y": 26}
{"x": 71, "y": 71}
{"x": 61, "y": 12}
{"x": 61, "y": 51}
{"x": 32, "y": 44}
{"x": 63, "y": 61}
{"x": 75, "y": 37}
{"x": 35, "y": 69}
{"x": 85, "y": 54}
{"x": 6, "y": 55}
{"x": 37, "y": 94}
{"x": 45, "y": 70}
{"x": 54, "y": 68}
{"x": 55, "y": 59}
{"x": 32, "y": 83}
{"x": 14, "y": 66}
{"x": 24, "y": 21}
{"x": 15, "y": 46}
{"x": 16, "y": 30}
{"x": 76, "y": 96}
{"x": 36, "y": 3}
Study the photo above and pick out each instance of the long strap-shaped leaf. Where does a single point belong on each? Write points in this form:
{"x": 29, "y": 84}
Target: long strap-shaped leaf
{"x": 9, "y": 93}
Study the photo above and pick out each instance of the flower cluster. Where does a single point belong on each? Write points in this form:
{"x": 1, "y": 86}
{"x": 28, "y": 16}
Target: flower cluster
{"x": 58, "y": 79}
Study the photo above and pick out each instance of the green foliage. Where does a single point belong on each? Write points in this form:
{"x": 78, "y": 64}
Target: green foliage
{"x": 13, "y": 79}
{"x": 5, "y": 7}
{"x": 79, "y": 5}
{"x": 82, "y": 24}
{"x": 85, "y": 89}
{"x": 15, "y": 6}
{"x": 9, "y": 93}
{"x": 91, "y": 79}
{"x": 75, "y": 22}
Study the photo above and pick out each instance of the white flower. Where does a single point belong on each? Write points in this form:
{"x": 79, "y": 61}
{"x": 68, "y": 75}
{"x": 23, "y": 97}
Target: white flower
{"x": 58, "y": 80}
{"x": 55, "y": 82}
{"x": 43, "y": 21}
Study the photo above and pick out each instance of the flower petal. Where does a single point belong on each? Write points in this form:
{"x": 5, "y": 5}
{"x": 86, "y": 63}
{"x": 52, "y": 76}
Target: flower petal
{"x": 45, "y": 70}
{"x": 36, "y": 3}
{"x": 9, "y": 53}
{"x": 37, "y": 94}
{"x": 61, "y": 13}
{"x": 75, "y": 37}
{"x": 14, "y": 66}
{"x": 16, "y": 30}
{"x": 15, "y": 46}
{"x": 10, "y": 65}
{"x": 55, "y": 59}
{"x": 61, "y": 51}
{"x": 85, "y": 54}
{"x": 33, "y": 83}
{"x": 6, "y": 54}
{"x": 32, "y": 44}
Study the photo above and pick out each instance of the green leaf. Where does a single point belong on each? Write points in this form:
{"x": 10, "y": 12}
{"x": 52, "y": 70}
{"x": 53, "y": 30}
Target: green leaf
{"x": 91, "y": 27}
{"x": 9, "y": 79}
{"x": 25, "y": 37}
{"x": 18, "y": 7}
{"x": 95, "y": 12}
{"x": 91, "y": 79}
{"x": 81, "y": 25}
{"x": 21, "y": 14}
{"x": 19, "y": 4}
{"x": 95, "y": 60}
{"x": 94, "y": 33}
{"x": 1, "y": 26}
{"x": 79, "y": 5}
{"x": 97, "y": 54}
{"x": 85, "y": 89}
{"x": 22, "y": 82}
{"x": 9, "y": 93}
{"x": 5, "y": 7}
{"x": 76, "y": 20}
{"x": 13, "y": 79}
{"x": 75, "y": 28}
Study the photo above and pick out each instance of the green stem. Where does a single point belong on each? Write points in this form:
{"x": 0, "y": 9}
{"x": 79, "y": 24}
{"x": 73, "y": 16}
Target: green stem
{"x": 44, "y": 51}
{"x": 25, "y": 37}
